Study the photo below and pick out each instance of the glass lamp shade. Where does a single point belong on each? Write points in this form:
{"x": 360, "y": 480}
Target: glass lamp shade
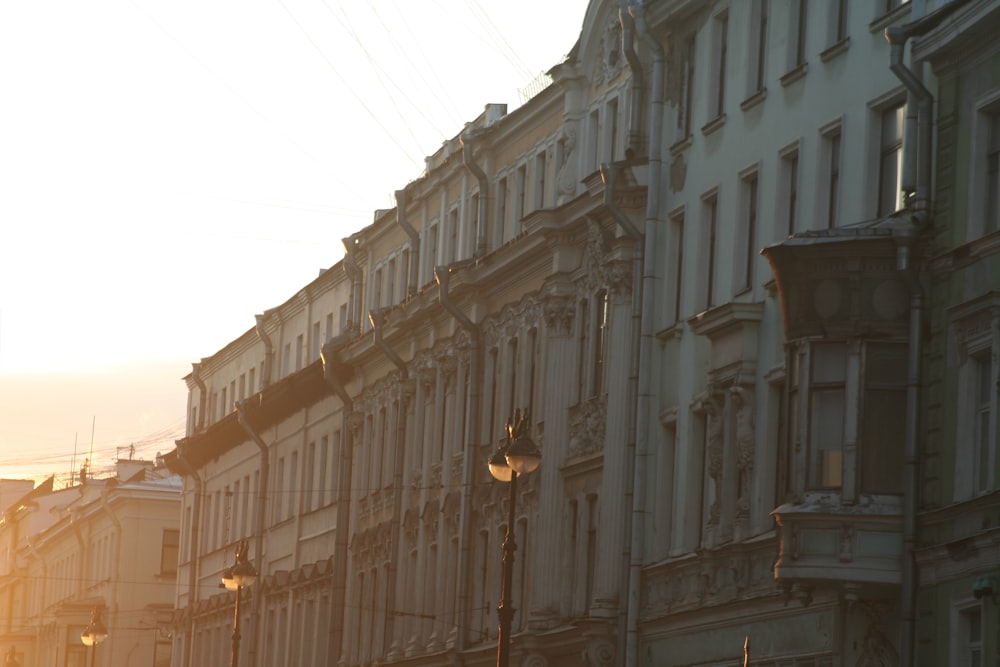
{"x": 244, "y": 574}
{"x": 93, "y": 635}
{"x": 227, "y": 579}
{"x": 499, "y": 468}
{"x": 523, "y": 455}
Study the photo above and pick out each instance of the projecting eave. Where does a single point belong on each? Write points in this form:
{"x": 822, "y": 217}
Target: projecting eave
{"x": 265, "y": 409}
{"x": 845, "y": 280}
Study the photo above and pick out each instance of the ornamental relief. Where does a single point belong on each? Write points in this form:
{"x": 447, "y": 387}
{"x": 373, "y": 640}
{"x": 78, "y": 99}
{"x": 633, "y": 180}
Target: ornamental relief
{"x": 610, "y": 53}
{"x": 708, "y": 581}
{"x": 599, "y": 271}
{"x": 559, "y": 313}
{"x": 587, "y": 422}
{"x": 512, "y": 320}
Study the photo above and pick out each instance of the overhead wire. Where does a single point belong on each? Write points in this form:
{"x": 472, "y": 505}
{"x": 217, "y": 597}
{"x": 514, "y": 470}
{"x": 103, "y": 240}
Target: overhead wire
{"x": 347, "y": 85}
{"x": 345, "y": 23}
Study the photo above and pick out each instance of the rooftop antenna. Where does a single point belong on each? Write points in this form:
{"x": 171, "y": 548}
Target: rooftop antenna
{"x": 93, "y": 426}
{"x": 72, "y": 461}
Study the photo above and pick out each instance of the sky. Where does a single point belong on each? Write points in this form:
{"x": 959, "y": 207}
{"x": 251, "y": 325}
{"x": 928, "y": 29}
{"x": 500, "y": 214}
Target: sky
{"x": 169, "y": 169}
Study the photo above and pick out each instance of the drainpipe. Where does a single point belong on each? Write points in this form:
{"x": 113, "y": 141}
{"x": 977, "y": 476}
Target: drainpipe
{"x": 116, "y": 556}
{"x": 443, "y": 274}
{"x": 378, "y": 321}
{"x": 920, "y": 208}
{"x": 268, "y": 351}
{"x": 643, "y": 358}
{"x": 609, "y": 174}
{"x": 628, "y": 47}
{"x": 484, "y": 184}
{"x": 414, "y": 267}
{"x": 202, "y": 395}
{"x": 345, "y": 471}
{"x": 354, "y": 272}
{"x": 265, "y": 473}
{"x": 193, "y": 549}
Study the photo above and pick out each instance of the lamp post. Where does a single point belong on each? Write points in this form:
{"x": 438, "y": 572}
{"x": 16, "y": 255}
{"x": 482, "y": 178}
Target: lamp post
{"x": 516, "y": 456}
{"x": 94, "y": 634}
{"x": 236, "y": 578}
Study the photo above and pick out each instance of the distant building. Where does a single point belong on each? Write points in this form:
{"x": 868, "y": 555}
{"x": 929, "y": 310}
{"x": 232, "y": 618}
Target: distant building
{"x": 735, "y": 445}
{"x": 107, "y": 544}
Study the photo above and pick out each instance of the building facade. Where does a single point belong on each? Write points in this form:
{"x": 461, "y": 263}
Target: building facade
{"x": 958, "y": 569}
{"x": 736, "y": 445}
{"x": 103, "y": 549}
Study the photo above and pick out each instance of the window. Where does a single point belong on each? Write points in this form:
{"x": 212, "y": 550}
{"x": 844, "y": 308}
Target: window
{"x": 314, "y": 343}
{"x": 890, "y": 170}
{"x": 675, "y": 260}
{"x": 223, "y": 409}
{"x": 788, "y": 193}
{"x": 830, "y": 172}
{"x": 967, "y": 631}
{"x": 992, "y": 189}
{"x": 982, "y": 376}
{"x": 501, "y": 217}
{"x": 432, "y": 251}
{"x": 975, "y": 331}
{"x": 169, "y": 551}
{"x": 826, "y": 414}
{"x": 520, "y": 195}
{"x": 881, "y": 439}
{"x": 251, "y": 381}
{"x": 984, "y": 170}
{"x": 540, "y": 167}
{"x": 342, "y": 317}
{"x": 286, "y": 361}
{"x": 798, "y": 20}
{"x": 300, "y": 346}
{"x": 451, "y": 240}
{"x": 599, "y": 354}
{"x": 594, "y": 139}
{"x": 612, "y": 129}
{"x": 757, "y": 57}
{"x": 837, "y": 22}
{"x": 686, "y": 89}
{"x": 471, "y": 232}
{"x": 710, "y": 223}
{"x": 390, "y": 287}
{"x": 329, "y": 326}
{"x": 324, "y": 455}
{"x": 720, "y": 36}
{"x": 746, "y": 244}
{"x": 851, "y": 392}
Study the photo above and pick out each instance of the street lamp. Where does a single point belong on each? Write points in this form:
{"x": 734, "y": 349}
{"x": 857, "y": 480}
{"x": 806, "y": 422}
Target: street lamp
{"x": 517, "y": 455}
{"x": 236, "y": 578}
{"x": 94, "y": 634}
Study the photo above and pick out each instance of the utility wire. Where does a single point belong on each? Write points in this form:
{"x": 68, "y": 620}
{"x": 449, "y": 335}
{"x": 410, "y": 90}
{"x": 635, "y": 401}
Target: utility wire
{"x": 348, "y": 86}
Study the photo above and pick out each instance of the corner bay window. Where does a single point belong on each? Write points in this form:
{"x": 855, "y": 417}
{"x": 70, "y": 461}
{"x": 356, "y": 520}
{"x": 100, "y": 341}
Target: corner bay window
{"x": 850, "y": 426}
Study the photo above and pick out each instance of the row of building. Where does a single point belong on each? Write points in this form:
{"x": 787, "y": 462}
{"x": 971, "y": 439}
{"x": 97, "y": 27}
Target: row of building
{"x": 792, "y": 449}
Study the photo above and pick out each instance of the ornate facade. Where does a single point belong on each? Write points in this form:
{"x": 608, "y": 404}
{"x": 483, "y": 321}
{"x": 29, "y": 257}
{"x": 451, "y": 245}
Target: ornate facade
{"x": 731, "y": 440}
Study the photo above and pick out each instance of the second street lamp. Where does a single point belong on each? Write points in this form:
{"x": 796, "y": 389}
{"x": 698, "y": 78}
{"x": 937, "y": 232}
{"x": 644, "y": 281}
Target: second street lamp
{"x": 94, "y": 634}
{"x": 236, "y": 578}
{"x": 516, "y": 456}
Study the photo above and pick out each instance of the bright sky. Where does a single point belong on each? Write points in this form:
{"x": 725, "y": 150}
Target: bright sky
{"x": 170, "y": 169}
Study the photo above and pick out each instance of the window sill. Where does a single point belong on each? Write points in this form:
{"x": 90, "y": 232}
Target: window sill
{"x": 714, "y": 124}
{"x": 794, "y": 74}
{"x": 890, "y": 17}
{"x": 753, "y": 100}
{"x": 681, "y": 144}
{"x": 835, "y": 50}
{"x": 673, "y": 332}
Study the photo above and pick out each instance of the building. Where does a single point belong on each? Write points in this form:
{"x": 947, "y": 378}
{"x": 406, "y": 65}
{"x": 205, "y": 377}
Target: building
{"x": 957, "y": 565}
{"x": 735, "y": 445}
{"x": 105, "y": 546}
